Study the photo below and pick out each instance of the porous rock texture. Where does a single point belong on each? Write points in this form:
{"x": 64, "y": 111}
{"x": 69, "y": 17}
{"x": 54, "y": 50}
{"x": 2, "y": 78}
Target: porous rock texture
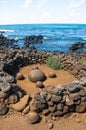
{"x": 62, "y": 99}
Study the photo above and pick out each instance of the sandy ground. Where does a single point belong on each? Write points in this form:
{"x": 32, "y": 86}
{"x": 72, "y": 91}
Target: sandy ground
{"x": 16, "y": 121}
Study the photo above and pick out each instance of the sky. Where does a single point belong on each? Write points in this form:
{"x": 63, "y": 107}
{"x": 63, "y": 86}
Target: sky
{"x": 42, "y": 11}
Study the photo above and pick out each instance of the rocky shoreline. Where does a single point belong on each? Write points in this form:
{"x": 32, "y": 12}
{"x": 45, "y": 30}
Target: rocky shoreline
{"x": 54, "y": 101}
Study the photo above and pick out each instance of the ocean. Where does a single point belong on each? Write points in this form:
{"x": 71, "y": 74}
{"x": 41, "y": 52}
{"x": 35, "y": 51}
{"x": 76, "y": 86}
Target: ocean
{"x": 57, "y": 37}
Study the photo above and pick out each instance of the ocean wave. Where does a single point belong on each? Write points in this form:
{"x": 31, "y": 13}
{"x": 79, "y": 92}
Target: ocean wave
{"x": 6, "y": 31}
{"x": 83, "y": 38}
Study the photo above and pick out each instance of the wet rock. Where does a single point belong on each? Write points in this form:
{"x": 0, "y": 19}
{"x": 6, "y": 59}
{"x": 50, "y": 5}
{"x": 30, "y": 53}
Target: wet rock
{"x": 52, "y": 75}
{"x": 77, "y": 46}
{"x": 19, "y": 76}
{"x": 21, "y": 104}
{"x": 33, "y": 117}
{"x": 36, "y": 75}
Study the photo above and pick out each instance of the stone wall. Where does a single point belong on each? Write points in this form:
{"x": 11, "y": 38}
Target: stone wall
{"x": 61, "y": 99}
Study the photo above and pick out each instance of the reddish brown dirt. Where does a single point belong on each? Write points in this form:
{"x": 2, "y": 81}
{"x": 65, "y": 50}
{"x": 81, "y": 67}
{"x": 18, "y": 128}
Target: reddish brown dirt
{"x": 16, "y": 121}
{"x": 63, "y": 77}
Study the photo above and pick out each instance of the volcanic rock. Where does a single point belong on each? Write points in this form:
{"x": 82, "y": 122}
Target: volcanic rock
{"x": 3, "y": 109}
{"x": 81, "y": 108}
{"x": 5, "y": 86}
{"x": 73, "y": 88}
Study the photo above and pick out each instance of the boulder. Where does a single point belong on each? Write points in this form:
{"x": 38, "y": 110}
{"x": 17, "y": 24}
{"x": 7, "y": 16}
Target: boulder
{"x": 77, "y": 46}
{"x": 33, "y": 117}
{"x": 36, "y": 75}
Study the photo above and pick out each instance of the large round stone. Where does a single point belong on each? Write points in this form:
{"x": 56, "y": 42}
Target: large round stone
{"x": 36, "y": 75}
{"x": 33, "y": 118}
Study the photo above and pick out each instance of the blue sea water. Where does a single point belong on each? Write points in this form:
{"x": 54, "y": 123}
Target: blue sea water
{"x": 57, "y": 37}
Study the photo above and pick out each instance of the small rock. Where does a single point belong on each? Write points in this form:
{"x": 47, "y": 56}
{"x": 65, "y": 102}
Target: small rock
{"x": 52, "y": 108}
{"x": 12, "y": 99}
{"x": 10, "y": 79}
{"x": 39, "y": 84}
{"x": 52, "y": 75}
{"x": 81, "y": 108}
{"x": 35, "y": 67}
{"x": 56, "y": 99}
{"x": 33, "y": 117}
{"x": 45, "y": 112}
{"x": 19, "y": 76}
{"x": 73, "y": 88}
{"x": 3, "y": 109}
{"x": 20, "y": 94}
{"x": 69, "y": 102}
{"x": 26, "y": 110}
{"x": 50, "y": 125}
{"x": 5, "y": 86}
{"x": 60, "y": 107}
{"x": 21, "y": 104}
{"x": 58, "y": 90}
{"x": 2, "y": 95}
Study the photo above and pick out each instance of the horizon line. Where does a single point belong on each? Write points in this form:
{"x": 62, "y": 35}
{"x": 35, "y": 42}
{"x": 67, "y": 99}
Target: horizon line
{"x": 38, "y": 23}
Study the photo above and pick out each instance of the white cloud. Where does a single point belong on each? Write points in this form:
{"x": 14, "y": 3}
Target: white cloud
{"x": 3, "y": 1}
{"x": 76, "y": 4}
{"x": 45, "y": 15}
{"x": 27, "y": 3}
{"x": 41, "y": 3}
